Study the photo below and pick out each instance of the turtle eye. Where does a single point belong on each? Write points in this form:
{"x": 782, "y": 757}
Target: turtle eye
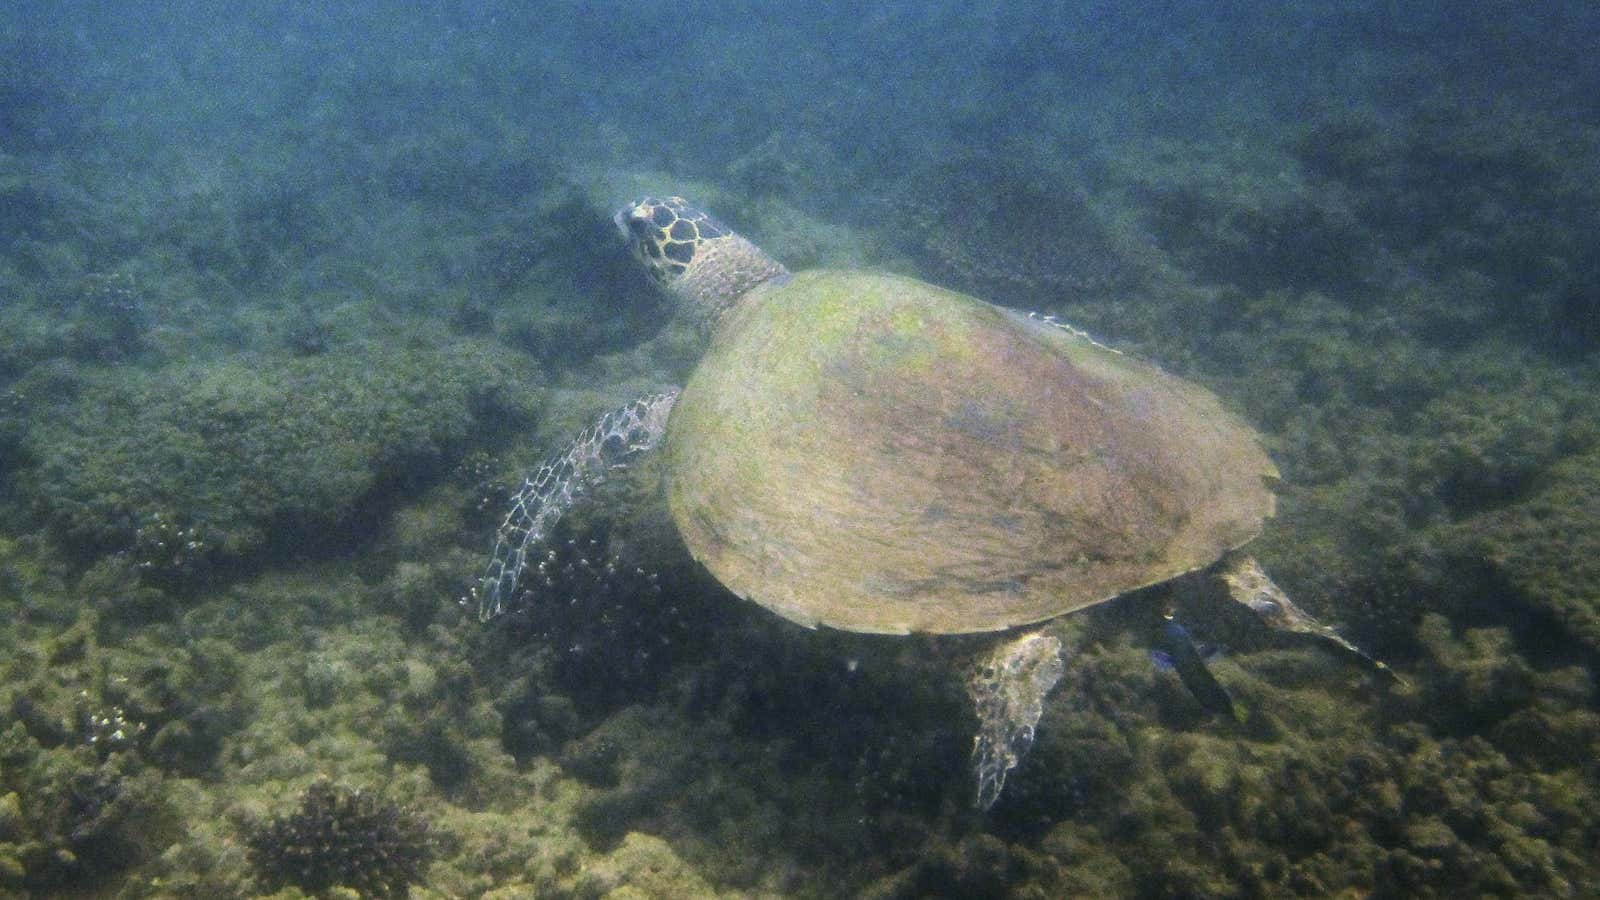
{"x": 639, "y": 227}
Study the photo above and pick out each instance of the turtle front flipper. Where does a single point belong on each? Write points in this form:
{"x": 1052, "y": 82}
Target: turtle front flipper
{"x": 546, "y": 495}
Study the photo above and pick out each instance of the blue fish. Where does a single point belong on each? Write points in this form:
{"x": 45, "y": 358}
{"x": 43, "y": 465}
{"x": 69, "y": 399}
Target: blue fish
{"x": 1178, "y": 653}
{"x": 1162, "y": 660}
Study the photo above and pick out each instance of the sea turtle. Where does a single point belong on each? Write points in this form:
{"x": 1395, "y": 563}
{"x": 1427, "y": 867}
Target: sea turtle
{"x": 868, "y": 452}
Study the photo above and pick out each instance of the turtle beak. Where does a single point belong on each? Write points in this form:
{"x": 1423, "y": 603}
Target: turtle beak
{"x": 621, "y": 219}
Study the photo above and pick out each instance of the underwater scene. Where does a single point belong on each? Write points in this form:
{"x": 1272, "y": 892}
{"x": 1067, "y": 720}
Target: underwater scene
{"x": 596, "y": 449}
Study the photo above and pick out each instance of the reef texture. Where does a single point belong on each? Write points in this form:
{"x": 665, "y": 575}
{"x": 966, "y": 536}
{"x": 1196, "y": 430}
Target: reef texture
{"x": 340, "y": 837}
{"x": 277, "y": 351}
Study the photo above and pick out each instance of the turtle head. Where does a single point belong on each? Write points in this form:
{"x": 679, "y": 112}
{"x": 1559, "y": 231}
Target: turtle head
{"x": 695, "y": 257}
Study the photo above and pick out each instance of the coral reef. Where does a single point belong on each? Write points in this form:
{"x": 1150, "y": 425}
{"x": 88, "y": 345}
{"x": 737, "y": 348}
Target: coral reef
{"x": 1486, "y": 194}
{"x": 641, "y": 866}
{"x": 1002, "y": 226}
{"x": 1543, "y": 548}
{"x": 284, "y": 316}
{"x": 569, "y": 289}
{"x": 340, "y": 837}
{"x": 168, "y": 707}
{"x": 109, "y": 316}
{"x": 75, "y": 813}
{"x": 256, "y": 458}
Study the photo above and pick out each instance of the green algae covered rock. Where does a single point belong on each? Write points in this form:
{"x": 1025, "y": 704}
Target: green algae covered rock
{"x": 69, "y": 818}
{"x": 145, "y": 701}
{"x": 1546, "y": 546}
{"x": 642, "y": 866}
{"x": 236, "y": 458}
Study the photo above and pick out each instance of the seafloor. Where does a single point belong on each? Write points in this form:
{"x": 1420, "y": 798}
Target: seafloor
{"x": 288, "y": 302}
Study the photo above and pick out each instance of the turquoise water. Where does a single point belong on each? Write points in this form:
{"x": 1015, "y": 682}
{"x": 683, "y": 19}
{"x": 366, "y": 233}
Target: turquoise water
{"x": 292, "y": 298}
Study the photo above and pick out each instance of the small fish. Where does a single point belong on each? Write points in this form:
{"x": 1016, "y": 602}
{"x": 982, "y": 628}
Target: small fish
{"x": 1185, "y": 658}
{"x": 1162, "y": 660}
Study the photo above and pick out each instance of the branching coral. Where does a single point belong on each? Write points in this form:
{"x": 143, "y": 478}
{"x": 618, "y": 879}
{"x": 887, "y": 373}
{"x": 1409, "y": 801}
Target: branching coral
{"x": 340, "y": 837}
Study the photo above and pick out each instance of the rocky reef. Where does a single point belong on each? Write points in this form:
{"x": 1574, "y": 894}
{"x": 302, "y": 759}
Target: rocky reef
{"x": 227, "y": 462}
{"x": 272, "y": 364}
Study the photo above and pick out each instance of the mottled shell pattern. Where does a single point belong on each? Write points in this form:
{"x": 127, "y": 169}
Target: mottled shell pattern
{"x": 873, "y": 453}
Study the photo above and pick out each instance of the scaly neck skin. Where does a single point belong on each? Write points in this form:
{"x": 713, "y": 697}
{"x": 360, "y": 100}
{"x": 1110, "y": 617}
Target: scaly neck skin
{"x": 724, "y": 270}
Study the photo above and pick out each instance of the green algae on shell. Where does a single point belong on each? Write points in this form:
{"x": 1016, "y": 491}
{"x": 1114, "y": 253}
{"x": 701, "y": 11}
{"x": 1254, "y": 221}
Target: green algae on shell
{"x": 873, "y": 453}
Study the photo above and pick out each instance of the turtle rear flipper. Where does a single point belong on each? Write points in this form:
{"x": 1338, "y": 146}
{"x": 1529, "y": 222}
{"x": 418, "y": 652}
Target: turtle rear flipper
{"x": 1250, "y": 587}
{"x": 1008, "y": 687}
